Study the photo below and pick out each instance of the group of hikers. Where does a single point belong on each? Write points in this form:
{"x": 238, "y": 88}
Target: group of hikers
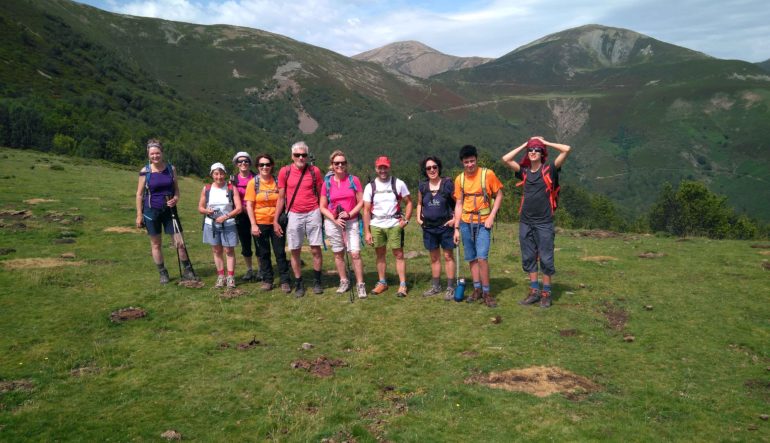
{"x": 300, "y": 203}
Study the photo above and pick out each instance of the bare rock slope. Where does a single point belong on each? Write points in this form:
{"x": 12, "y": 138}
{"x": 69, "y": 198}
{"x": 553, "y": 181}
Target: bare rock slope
{"x": 416, "y": 59}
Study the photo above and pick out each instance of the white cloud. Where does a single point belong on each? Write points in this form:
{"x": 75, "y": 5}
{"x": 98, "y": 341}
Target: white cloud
{"x": 727, "y": 29}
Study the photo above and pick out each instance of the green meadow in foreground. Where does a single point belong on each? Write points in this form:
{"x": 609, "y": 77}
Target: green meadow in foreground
{"x": 675, "y": 347}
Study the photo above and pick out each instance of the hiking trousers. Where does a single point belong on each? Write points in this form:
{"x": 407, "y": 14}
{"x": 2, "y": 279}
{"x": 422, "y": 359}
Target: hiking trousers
{"x": 536, "y": 242}
{"x": 266, "y": 238}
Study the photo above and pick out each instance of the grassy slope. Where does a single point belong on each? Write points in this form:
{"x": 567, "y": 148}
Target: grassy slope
{"x": 684, "y": 378}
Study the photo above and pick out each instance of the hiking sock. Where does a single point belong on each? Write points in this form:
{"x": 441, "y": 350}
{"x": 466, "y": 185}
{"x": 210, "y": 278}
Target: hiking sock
{"x": 477, "y": 285}
{"x": 402, "y": 284}
{"x": 230, "y": 273}
{"x": 383, "y": 281}
{"x": 317, "y": 276}
{"x": 451, "y": 283}
{"x": 161, "y": 266}
{"x": 534, "y": 284}
{"x": 485, "y": 289}
{"x": 436, "y": 282}
{"x": 547, "y": 288}
{"x": 186, "y": 264}
{"x": 221, "y": 272}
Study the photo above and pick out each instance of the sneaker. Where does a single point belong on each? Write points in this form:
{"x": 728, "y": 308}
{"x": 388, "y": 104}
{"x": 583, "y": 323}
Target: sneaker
{"x": 220, "y": 282}
{"x": 299, "y": 289}
{"x": 475, "y": 296}
{"x": 379, "y": 288}
{"x": 164, "y": 278}
{"x": 286, "y": 288}
{"x": 489, "y": 300}
{"x": 249, "y": 275}
{"x": 532, "y": 297}
{"x": 361, "y": 289}
{"x": 344, "y": 286}
{"x": 449, "y": 294}
{"x": 401, "y": 292}
{"x": 432, "y": 291}
{"x": 189, "y": 275}
{"x": 545, "y": 299}
{"x": 267, "y": 286}
{"x": 317, "y": 288}
{"x": 230, "y": 281}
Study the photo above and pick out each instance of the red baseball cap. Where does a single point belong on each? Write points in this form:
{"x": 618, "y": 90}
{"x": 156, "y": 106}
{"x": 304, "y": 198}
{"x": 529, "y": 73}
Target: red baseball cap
{"x": 382, "y": 161}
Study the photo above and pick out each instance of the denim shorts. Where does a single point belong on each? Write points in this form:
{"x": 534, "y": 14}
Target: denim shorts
{"x": 156, "y": 219}
{"x": 476, "y": 238}
{"x": 438, "y": 236}
{"x": 223, "y": 235}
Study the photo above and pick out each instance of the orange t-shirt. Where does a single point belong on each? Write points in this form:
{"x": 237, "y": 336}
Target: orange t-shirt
{"x": 474, "y": 203}
{"x": 264, "y": 203}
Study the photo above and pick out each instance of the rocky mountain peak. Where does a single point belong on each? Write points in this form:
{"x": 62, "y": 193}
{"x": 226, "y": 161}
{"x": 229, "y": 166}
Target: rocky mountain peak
{"x": 417, "y": 59}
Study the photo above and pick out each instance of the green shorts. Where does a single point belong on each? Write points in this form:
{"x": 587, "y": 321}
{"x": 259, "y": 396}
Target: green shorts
{"x": 393, "y": 237}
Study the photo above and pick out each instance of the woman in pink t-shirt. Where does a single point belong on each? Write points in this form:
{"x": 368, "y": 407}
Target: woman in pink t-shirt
{"x": 341, "y": 203}
{"x": 242, "y": 162}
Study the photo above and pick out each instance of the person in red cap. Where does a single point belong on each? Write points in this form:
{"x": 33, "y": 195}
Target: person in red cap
{"x": 538, "y": 202}
{"x": 384, "y": 222}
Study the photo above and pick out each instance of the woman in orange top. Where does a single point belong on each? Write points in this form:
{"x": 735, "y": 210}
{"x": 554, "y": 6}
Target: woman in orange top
{"x": 261, "y": 199}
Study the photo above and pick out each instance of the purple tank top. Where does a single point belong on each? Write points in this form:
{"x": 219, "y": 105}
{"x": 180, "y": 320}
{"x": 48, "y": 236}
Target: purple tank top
{"x": 161, "y": 184}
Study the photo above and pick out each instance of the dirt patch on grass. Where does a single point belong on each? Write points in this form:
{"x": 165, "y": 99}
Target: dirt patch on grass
{"x": 85, "y": 370}
{"x": 37, "y": 263}
{"x": 16, "y": 385}
{"x": 320, "y": 367}
{"x": 231, "y": 293}
{"x": 6, "y": 251}
{"x": 171, "y": 435}
{"x": 755, "y": 246}
{"x": 540, "y": 381}
{"x": 340, "y": 437}
{"x": 599, "y": 258}
{"x": 125, "y": 314}
{"x": 650, "y": 254}
{"x": 253, "y": 343}
{"x": 596, "y": 233}
{"x": 568, "y": 332}
{"x": 759, "y": 387}
{"x": 16, "y": 215}
{"x": 617, "y": 317}
{"x": 37, "y": 201}
{"x": 766, "y": 265}
{"x": 191, "y": 284}
{"x": 122, "y": 230}
{"x": 469, "y": 354}
{"x": 63, "y": 217}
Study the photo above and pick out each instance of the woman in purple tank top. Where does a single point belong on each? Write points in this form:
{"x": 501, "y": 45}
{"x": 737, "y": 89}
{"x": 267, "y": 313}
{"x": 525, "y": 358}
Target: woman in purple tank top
{"x": 156, "y": 193}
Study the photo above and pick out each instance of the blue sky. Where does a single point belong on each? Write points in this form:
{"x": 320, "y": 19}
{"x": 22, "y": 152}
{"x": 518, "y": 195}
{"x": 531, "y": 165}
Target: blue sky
{"x": 730, "y": 29}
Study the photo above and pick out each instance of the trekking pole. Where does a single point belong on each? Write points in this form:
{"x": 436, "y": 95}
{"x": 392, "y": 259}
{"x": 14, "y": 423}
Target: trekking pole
{"x": 178, "y": 237}
{"x": 347, "y": 258}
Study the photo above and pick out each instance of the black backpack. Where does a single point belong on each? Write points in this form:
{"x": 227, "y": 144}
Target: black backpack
{"x": 427, "y": 196}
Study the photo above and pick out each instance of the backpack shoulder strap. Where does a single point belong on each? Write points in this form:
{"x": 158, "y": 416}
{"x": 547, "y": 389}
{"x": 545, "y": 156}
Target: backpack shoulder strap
{"x": 256, "y": 184}
{"x": 207, "y": 191}
{"x": 328, "y": 183}
{"x": 484, "y": 184}
{"x": 374, "y": 190}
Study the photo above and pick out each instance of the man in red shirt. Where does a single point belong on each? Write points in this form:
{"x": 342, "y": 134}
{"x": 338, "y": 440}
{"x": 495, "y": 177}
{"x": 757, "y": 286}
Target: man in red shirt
{"x": 299, "y": 185}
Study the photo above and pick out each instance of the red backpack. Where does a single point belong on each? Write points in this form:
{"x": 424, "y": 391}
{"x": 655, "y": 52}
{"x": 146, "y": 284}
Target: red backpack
{"x": 551, "y": 187}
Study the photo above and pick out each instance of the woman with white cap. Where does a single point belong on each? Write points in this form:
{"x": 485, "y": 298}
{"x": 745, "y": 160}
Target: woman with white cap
{"x": 242, "y": 162}
{"x": 219, "y": 203}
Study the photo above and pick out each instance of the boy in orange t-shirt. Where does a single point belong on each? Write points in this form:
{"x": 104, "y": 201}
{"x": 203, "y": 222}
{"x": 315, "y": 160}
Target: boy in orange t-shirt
{"x": 476, "y": 212}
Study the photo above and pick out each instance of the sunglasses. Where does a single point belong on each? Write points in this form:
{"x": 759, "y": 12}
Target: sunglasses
{"x": 300, "y": 155}
{"x": 345, "y": 163}
{"x": 265, "y": 165}
{"x": 540, "y": 150}
{"x": 244, "y": 161}
{"x": 431, "y": 168}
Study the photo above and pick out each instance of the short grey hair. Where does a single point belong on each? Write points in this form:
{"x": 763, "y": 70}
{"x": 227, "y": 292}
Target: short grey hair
{"x": 300, "y": 145}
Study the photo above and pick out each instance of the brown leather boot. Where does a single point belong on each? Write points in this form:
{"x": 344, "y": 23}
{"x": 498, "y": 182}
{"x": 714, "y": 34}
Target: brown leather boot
{"x": 475, "y": 296}
{"x": 532, "y": 297}
{"x": 489, "y": 300}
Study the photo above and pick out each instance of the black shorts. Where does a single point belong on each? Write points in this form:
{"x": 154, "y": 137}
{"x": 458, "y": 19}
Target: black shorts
{"x": 157, "y": 218}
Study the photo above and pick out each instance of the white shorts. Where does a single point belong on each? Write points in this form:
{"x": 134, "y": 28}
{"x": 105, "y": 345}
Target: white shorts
{"x": 334, "y": 235}
{"x": 303, "y": 225}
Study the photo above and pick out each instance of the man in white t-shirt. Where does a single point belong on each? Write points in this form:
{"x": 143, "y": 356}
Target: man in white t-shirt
{"x": 384, "y": 222}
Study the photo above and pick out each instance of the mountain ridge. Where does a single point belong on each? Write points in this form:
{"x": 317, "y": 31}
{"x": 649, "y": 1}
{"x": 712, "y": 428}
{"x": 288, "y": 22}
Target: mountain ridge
{"x": 418, "y": 59}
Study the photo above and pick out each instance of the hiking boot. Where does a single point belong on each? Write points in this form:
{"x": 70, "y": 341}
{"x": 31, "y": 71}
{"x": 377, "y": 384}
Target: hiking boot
{"x": 379, "y": 288}
{"x": 220, "y": 282}
{"x": 286, "y": 288}
{"x": 164, "y": 278}
{"x": 230, "y": 281}
{"x": 475, "y": 296}
{"x": 545, "y": 299}
{"x": 344, "y": 286}
{"x": 189, "y": 275}
{"x": 449, "y": 294}
{"x": 432, "y": 291}
{"x": 489, "y": 300}
{"x": 402, "y": 293}
{"x": 361, "y": 289}
{"x": 249, "y": 275}
{"x": 299, "y": 289}
{"x": 318, "y": 288}
{"x": 532, "y": 297}
{"x": 267, "y": 286}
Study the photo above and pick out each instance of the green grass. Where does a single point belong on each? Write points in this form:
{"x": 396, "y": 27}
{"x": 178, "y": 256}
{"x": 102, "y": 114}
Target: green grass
{"x": 697, "y": 370}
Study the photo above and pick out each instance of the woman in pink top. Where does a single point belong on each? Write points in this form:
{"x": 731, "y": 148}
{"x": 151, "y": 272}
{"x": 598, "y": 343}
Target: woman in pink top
{"x": 341, "y": 203}
{"x": 242, "y": 162}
